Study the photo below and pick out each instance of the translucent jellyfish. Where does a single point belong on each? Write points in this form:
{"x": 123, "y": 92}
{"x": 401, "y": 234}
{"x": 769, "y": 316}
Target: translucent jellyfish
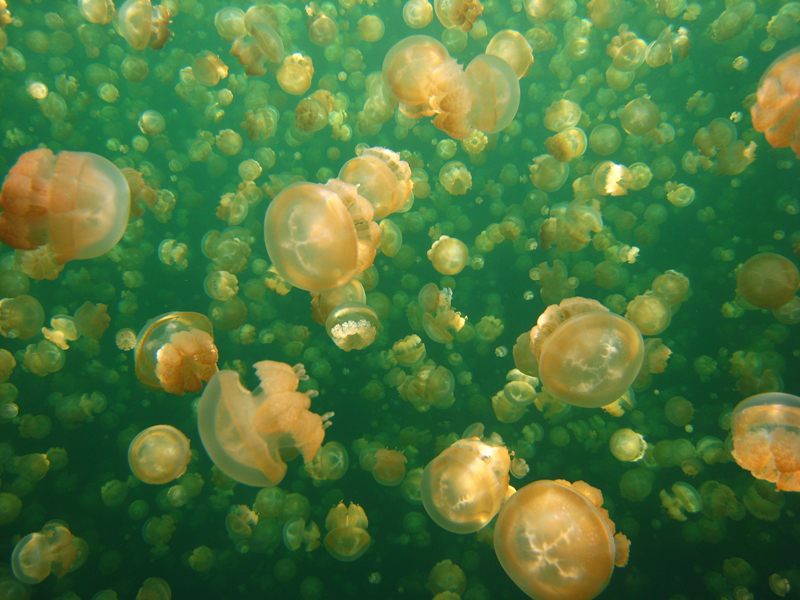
{"x": 260, "y": 46}
{"x": 143, "y": 25}
{"x": 639, "y": 117}
{"x": 588, "y": 356}
{"x": 768, "y": 280}
{"x": 347, "y": 538}
{"x": 352, "y": 325}
{"x": 21, "y": 317}
{"x": 406, "y": 72}
{"x": 766, "y": 438}
{"x": 464, "y": 487}
{"x": 159, "y": 454}
{"x": 512, "y": 47}
{"x": 382, "y": 178}
{"x": 627, "y": 445}
{"x": 294, "y": 75}
{"x": 775, "y": 112}
{"x": 458, "y": 13}
{"x": 448, "y": 255}
{"x": 389, "y": 468}
{"x": 97, "y": 11}
{"x": 417, "y": 13}
{"x": 247, "y": 435}
{"x": 556, "y": 542}
{"x": 176, "y": 352}
{"x": 329, "y": 463}
{"x": 650, "y": 313}
{"x": 319, "y": 236}
{"x": 76, "y": 202}
{"x": 52, "y": 550}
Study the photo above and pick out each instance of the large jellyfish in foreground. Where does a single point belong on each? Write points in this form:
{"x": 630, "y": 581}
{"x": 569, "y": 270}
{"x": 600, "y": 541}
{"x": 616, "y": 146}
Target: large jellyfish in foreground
{"x": 776, "y": 112}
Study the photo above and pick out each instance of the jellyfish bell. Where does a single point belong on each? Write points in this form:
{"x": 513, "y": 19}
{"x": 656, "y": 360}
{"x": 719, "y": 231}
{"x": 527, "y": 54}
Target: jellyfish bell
{"x": 555, "y": 541}
{"x": 176, "y": 352}
{"x": 407, "y": 68}
{"x": 352, "y": 325}
{"x": 513, "y": 48}
{"x": 77, "y": 202}
{"x": 382, "y": 178}
{"x": 768, "y": 280}
{"x": 495, "y": 93}
{"x": 777, "y": 101}
{"x": 247, "y": 434}
{"x": 159, "y": 454}
{"x": 766, "y": 438}
{"x": 588, "y": 356}
{"x": 464, "y": 487}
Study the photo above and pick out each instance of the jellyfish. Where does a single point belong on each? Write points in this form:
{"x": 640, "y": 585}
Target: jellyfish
{"x": 319, "y": 236}
{"x": 77, "y": 203}
{"x": 382, "y": 177}
{"x": 407, "y": 68}
{"x": 768, "y": 280}
{"x": 52, "y": 550}
{"x": 494, "y": 91}
{"x": 464, "y": 487}
{"x": 555, "y": 540}
{"x": 144, "y": 25}
{"x": 513, "y": 48}
{"x": 347, "y": 538}
{"x": 260, "y": 46}
{"x": 21, "y": 317}
{"x": 248, "y": 435}
{"x": 352, "y": 325}
{"x": 448, "y": 255}
{"x": 588, "y": 356}
{"x": 329, "y": 463}
{"x": 776, "y": 112}
{"x": 766, "y": 438}
{"x": 159, "y": 454}
{"x": 176, "y": 352}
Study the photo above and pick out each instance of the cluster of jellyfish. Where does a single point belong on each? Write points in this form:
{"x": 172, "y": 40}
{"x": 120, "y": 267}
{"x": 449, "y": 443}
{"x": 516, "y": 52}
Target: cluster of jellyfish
{"x": 103, "y": 232}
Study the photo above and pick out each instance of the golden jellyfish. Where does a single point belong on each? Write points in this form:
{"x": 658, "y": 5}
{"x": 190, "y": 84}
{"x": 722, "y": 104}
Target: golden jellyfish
{"x": 556, "y": 541}
{"x": 417, "y": 13}
{"x": 176, "y": 352}
{"x": 562, "y": 114}
{"x": 322, "y": 29}
{"x": 229, "y": 23}
{"x": 604, "y": 139}
{"x": 371, "y": 28}
{"x": 382, "y": 177}
{"x": 143, "y": 25}
{"x": 295, "y": 74}
{"x": 768, "y": 280}
{"x": 679, "y": 411}
{"x": 352, "y": 325}
{"x": 319, "y": 236}
{"x": 567, "y": 145}
{"x": 21, "y": 317}
{"x": 347, "y": 538}
{"x": 261, "y": 45}
{"x": 457, "y": 13}
{"x": 77, "y": 203}
{"x": 97, "y": 11}
{"x": 548, "y": 174}
{"x": 513, "y": 48}
{"x": 464, "y": 487}
{"x": 766, "y": 438}
{"x": 407, "y": 68}
{"x": 159, "y": 454}
{"x": 778, "y": 101}
{"x": 494, "y": 91}
{"x": 208, "y": 69}
{"x": 650, "y": 313}
{"x": 639, "y": 117}
{"x": 391, "y": 237}
{"x": 329, "y": 463}
{"x": 249, "y": 436}
{"x": 52, "y": 550}
{"x": 448, "y": 255}
{"x": 588, "y": 356}
{"x": 323, "y": 304}
{"x": 627, "y": 445}
{"x": 455, "y": 178}
{"x": 389, "y": 468}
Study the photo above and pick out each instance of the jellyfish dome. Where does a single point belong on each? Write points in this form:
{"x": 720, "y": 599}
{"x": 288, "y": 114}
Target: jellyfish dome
{"x": 556, "y": 542}
{"x": 77, "y": 202}
{"x": 463, "y": 487}
{"x": 775, "y": 112}
{"x": 766, "y": 438}
{"x": 247, "y": 434}
{"x": 768, "y": 280}
{"x": 588, "y": 356}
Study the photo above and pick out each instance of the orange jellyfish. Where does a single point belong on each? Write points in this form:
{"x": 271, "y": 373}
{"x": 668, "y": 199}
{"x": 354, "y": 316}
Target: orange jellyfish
{"x": 776, "y": 112}
{"x": 766, "y": 438}
{"x": 768, "y": 280}
{"x": 407, "y": 69}
{"x": 463, "y": 487}
{"x": 159, "y": 454}
{"x": 77, "y": 202}
{"x": 250, "y": 435}
{"x": 556, "y": 542}
{"x": 494, "y": 91}
{"x": 382, "y": 177}
{"x": 588, "y": 356}
{"x": 52, "y": 550}
{"x": 319, "y": 236}
{"x": 176, "y": 352}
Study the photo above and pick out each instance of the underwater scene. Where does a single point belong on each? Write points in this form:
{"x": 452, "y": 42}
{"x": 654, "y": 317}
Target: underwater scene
{"x": 387, "y": 299}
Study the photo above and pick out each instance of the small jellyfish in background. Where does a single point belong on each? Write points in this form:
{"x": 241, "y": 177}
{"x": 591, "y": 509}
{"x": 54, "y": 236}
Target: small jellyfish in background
{"x": 21, "y": 317}
{"x": 77, "y": 203}
{"x": 766, "y": 438}
{"x": 768, "y": 280}
{"x": 352, "y": 325}
{"x": 556, "y": 542}
{"x": 52, "y": 550}
{"x": 248, "y": 435}
{"x": 159, "y": 454}
{"x": 176, "y": 352}
{"x": 776, "y": 112}
{"x": 588, "y": 356}
{"x": 464, "y": 487}
{"x": 144, "y": 25}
